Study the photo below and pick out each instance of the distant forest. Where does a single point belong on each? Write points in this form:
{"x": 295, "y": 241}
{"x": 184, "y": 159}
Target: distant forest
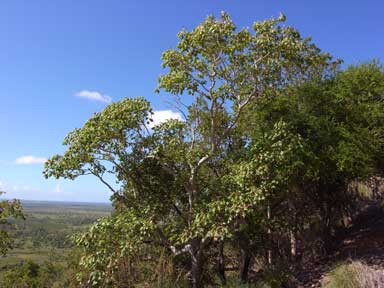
{"x": 42, "y": 250}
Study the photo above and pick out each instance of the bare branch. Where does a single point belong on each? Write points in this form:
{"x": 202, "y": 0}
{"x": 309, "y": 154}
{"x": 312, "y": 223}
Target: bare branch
{"x": 104, "y": 182}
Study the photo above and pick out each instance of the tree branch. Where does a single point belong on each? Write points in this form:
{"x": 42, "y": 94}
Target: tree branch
{"x": 104, "y": 182}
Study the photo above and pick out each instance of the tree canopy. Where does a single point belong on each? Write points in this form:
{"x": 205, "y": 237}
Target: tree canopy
{"x": 270, "y": 125}
{"x": 9, "y": 210}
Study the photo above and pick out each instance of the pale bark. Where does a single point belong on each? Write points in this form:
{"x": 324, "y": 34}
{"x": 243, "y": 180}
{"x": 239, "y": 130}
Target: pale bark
{"x": 293, "y": 242}
{"x": 269, "y": 252}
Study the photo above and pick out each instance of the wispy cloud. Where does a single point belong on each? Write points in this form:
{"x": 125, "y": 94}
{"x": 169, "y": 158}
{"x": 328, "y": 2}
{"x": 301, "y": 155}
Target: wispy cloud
{"x": 29, "y": 159}
{"x": 161, "y": 116}
{"x": 7, "y": 188}
{"x": 94, "y": 95}
{"x": 23, "y": 188}
{"x": 58, "y": 188}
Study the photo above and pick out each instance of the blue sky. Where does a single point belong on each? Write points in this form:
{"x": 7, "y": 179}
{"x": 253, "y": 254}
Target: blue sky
{"x": 54, "y": 51}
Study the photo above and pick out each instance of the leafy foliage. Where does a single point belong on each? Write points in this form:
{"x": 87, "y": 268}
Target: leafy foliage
{"x": 9, "y": 210}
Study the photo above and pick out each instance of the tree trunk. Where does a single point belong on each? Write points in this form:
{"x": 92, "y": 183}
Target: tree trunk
{"x": 327, "y": 229}
{"x": 292, "y": 231}
{"x": 196, "y": 264}
{"x": 328, "y": 239}
{"x": 221, "y": 264}
{"x": 269, "y": 252}
{"x": 293, "y": 241}
{"x": 245, "y": 258}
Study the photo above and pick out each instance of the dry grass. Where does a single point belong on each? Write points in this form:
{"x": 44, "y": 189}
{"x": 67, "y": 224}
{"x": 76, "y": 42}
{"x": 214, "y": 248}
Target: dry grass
{"x": 354, "y": 275}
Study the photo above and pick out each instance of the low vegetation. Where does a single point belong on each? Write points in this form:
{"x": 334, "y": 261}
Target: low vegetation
{"x": 354, "y": 275}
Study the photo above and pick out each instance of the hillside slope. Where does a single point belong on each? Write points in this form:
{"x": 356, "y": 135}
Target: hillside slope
{"x": 363, "y": 243}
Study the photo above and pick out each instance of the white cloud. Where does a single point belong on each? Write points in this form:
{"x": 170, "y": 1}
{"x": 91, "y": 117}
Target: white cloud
{"x": 94, "y": 95}
{"x": 161, "y": 116}
{"x": 29, "y": 159}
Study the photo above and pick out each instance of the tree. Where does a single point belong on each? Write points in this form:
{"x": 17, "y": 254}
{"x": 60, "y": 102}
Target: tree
{"x": 331, "y": 134}
{"x": 9, "y": 209}
{"x": 175, "y": 180}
